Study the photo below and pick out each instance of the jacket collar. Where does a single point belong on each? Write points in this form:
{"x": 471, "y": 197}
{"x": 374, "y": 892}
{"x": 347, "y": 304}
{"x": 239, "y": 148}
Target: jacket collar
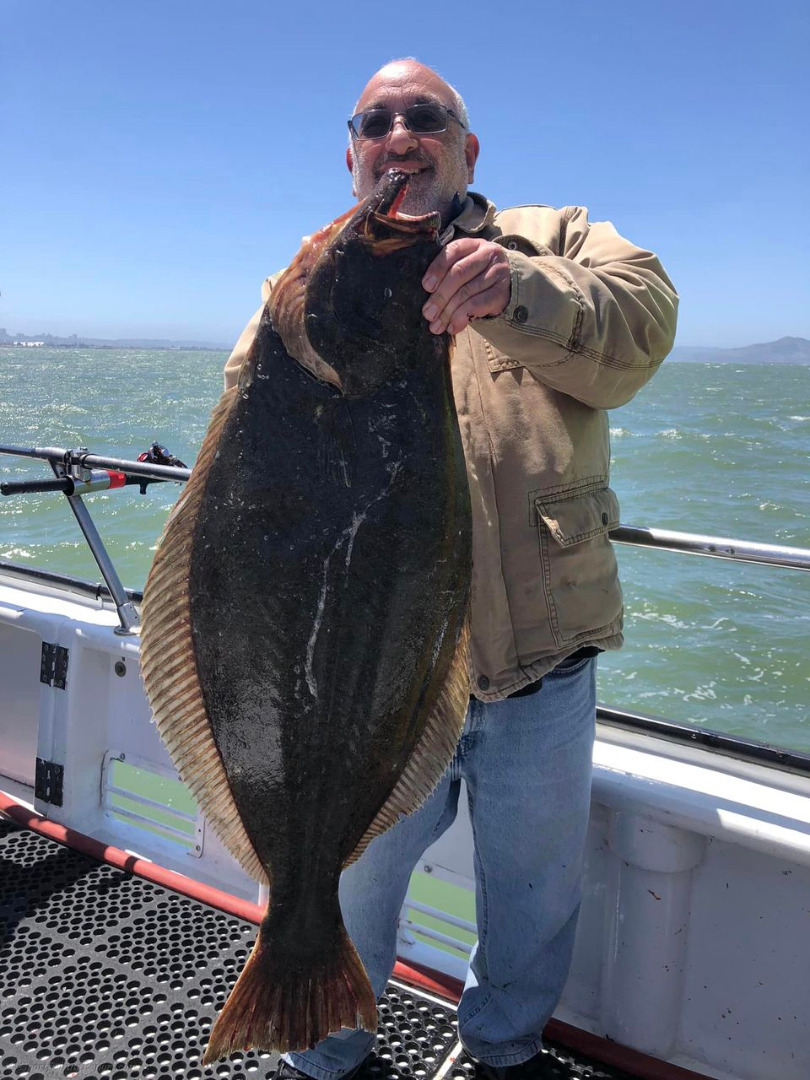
{"x": 476, "y": 214}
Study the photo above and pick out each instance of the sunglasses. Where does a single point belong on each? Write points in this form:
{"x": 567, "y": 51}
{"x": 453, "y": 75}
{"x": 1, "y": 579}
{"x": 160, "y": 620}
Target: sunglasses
{"x": 428, "y": 119}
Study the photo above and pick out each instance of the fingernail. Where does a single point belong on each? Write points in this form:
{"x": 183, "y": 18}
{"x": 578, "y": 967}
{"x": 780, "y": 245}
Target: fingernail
{"x": 429, "y": 283}
{"x": 431, "y": 311}
{"x": 436, "y": 328}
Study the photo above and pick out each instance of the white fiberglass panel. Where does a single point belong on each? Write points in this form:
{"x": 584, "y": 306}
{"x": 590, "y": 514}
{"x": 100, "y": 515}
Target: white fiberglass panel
{"x": 20, "y": 656}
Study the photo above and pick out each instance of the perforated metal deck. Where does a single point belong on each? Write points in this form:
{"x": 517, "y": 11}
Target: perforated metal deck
{"x": 105, "y": 976}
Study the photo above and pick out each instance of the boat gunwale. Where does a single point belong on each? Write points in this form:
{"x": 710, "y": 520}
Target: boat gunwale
{"x": 708, "y": 740}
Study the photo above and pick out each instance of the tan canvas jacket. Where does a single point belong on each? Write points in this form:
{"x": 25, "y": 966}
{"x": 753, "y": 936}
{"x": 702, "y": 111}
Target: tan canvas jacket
{"x": 591, "y": 316}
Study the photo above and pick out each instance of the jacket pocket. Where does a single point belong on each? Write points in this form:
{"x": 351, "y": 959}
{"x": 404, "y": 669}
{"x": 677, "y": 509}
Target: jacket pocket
{"x": 580, "y": 575}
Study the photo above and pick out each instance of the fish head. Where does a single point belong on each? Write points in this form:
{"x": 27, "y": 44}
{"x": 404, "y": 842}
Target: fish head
{"x": 359, "y": 321}
{"x": 378, "y": 223}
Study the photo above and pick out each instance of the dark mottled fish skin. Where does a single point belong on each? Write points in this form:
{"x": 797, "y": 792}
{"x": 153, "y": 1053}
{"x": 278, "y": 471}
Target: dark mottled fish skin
{"x": 327, "y": 590}
{"x": 325, "y": 574}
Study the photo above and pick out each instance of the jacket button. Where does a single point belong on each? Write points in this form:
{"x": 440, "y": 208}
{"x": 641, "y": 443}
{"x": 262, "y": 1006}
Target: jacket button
{"x": 521, "y": 313}
{"x": 483, "y": 682}
{"x": 512, "y": 245}
{"x": 605, "y": 519}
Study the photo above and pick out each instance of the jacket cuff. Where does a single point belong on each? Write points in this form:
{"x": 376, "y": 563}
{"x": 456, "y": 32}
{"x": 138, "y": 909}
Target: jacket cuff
{"x": 544, "y": 303}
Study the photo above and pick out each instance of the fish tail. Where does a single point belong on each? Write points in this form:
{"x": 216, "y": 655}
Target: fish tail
{"x": 279, "y": 1003}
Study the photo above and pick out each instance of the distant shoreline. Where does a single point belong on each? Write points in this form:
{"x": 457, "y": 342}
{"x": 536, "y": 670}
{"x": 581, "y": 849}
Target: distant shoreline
{"x": 28, "y": 347}
{"x": 793, "y": 351}
{"x": 776, "y": 361}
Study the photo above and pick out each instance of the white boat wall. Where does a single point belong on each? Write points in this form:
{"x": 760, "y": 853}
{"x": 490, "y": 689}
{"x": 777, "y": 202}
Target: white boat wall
{"x": 694, "y": 938}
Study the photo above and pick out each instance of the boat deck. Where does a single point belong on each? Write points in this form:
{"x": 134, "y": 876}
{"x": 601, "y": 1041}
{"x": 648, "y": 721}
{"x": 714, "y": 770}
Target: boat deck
{"x": 106, "y": 975}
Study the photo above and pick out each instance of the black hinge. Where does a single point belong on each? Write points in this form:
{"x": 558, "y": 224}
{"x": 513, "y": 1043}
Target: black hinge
{"x": 53, "y": 665}
{"x": 49, "y": 781}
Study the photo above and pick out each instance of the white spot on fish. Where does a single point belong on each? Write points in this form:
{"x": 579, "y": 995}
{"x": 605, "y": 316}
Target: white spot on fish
{"x": 348, "y": 536}
{"x": 345, "y": 469}
{"x": 310, "y": 675}
{"x": 439, "y": 642}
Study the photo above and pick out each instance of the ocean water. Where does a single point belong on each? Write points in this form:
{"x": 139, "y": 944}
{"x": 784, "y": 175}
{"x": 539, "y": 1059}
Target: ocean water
{"x": 719, "y": 449}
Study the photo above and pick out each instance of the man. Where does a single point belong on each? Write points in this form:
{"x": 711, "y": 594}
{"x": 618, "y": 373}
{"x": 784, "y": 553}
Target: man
{"x": 555, "y": 320}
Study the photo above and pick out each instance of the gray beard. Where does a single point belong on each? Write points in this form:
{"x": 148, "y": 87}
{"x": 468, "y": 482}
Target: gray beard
{"x": 425, "y": 201}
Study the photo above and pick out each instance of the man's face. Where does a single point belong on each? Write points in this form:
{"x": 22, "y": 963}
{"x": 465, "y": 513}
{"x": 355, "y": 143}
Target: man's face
{"x": 442, "y": 163}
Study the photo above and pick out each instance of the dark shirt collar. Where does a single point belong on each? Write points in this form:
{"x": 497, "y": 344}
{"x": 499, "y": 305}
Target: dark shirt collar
{"x": 475, "y": 213}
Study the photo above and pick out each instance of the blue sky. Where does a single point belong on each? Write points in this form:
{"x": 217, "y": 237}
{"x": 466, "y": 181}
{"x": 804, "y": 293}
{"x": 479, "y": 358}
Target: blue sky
{"x": 160, "y": 158}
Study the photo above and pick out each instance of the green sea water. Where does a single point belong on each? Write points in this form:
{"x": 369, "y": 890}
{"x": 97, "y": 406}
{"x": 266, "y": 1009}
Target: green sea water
{"x": 720, "y": 449}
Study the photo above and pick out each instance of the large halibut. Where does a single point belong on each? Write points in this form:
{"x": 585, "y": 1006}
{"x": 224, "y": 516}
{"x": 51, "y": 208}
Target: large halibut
{"x": 304, "y": 642}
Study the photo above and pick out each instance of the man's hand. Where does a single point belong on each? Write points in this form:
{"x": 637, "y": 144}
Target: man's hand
{"x": 467, "y": 279}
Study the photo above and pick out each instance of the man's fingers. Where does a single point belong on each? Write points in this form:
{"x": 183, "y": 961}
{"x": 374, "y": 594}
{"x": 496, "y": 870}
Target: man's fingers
{"x": 461, "y": 278}
{"x": 487, "y": 302}
{"x": 472, "y": 286}
{"x": 447, "y": 257}
{"x": 470, "y": 267}
{"x": 493, "y": 283}
{"x": 456, "y": 277}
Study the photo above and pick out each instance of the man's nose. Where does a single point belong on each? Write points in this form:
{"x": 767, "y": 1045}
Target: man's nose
{"x": 400, "y": 139}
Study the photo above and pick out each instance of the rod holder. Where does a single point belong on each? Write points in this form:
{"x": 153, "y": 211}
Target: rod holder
{"x": 127, "y": 615}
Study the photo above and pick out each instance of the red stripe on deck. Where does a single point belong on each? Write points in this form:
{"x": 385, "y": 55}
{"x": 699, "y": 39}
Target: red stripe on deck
{"x": 583, "y": 1042}
{"x": 170, "y": 879}
{"x": 421, "y": 978}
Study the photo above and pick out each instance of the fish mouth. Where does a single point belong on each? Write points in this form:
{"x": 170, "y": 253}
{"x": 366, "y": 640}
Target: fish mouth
{"x": 379, "y": 223}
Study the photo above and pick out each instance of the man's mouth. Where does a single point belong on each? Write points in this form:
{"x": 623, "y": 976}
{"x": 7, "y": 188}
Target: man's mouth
{"x": 411, "y": 167}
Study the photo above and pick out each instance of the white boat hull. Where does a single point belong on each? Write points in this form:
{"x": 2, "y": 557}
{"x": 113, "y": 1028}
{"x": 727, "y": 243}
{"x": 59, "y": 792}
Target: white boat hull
{"x": 694, "y": 937}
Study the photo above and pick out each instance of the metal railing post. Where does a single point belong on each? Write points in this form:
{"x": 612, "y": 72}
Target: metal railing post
{"x": 127, "y": 615}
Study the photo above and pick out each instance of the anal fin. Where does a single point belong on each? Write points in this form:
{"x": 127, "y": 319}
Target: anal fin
{"x": 434, "y": 751}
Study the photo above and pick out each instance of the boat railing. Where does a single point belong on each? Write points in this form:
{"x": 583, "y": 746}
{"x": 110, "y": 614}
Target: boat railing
{"x": 715, "y": 547}
{"x": 78, "y": 472}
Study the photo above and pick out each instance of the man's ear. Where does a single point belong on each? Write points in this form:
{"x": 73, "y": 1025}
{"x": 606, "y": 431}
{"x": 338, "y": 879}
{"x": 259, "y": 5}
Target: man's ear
{"x": 350, "y": 166}
{"x": 471, "y": 150}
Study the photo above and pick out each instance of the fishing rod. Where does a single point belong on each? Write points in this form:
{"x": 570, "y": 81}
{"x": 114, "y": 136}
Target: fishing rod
{"x": 78, "y": 472}
{"x": 83, "y": 468}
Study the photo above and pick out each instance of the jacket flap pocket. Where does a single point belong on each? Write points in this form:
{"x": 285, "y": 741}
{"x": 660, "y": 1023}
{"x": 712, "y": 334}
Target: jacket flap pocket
{"x": 577, "y": 518}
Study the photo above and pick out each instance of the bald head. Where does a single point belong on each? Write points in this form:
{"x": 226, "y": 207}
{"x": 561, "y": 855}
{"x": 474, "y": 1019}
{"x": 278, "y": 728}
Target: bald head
{"x": 401, "y": 70}
{"x": 441, "y": 162}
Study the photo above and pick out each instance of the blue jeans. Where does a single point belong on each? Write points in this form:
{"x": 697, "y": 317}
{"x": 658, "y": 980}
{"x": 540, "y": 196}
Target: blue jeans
{"x": 526, "y": 762}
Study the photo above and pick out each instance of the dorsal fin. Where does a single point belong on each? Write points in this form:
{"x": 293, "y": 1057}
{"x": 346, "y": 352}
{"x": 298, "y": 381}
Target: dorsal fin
{"x": 169, "y": 666}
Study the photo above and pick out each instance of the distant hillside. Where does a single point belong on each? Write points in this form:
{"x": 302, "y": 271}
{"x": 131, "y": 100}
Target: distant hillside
{"x": 77, "y": 341}
{"x": 787, "y": 350}
{"x": 153, "y": 343}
